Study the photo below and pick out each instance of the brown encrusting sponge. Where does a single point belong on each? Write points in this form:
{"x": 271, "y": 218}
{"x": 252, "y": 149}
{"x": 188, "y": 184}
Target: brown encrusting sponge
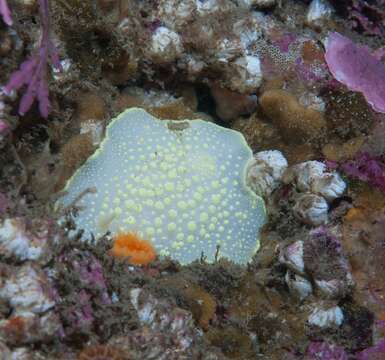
{"x": 296, "y": 123}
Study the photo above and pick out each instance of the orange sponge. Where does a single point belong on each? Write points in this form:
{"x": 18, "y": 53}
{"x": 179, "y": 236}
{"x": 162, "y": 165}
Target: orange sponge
{"x": 137, "y": 250}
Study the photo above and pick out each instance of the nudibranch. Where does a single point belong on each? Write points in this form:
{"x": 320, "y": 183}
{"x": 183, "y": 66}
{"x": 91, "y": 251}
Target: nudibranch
{"x": 181, "y": 185}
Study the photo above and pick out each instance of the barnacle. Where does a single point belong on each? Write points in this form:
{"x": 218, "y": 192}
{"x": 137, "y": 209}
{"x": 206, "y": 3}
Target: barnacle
{"x": 265, "y": 172}
{"x": 311, "y": 209}
{"x": 295, "y": 122}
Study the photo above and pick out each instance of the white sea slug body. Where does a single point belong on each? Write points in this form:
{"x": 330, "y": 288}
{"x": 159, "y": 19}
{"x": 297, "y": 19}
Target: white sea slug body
{"x": 180, "y": 185}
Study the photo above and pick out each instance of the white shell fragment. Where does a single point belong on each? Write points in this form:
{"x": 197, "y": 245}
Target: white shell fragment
{"x": 311, "y": 209}
{"x": 27, "y": 290}
{"x": 179, "y": 184}
{"x": 17, "y": 242}
{"x": 194, "y": 66}
{"x": 175, "y": 13}
{"x": 318, "y": 12}
{"x": 265, "y": 172}
{"x": 66, "y": 67}
{"x": 298, "y": 285}
{"x": 166, "y": 45}
{"x": 248, "y": 31}
{"x": 312, "y": 176}
{"x": 94, "y": 128}
{"x": 247, "y": 74}
{"x": 226, "y": 50}
{"x": 326, "y": 318}
{"x": 292, "y": 257}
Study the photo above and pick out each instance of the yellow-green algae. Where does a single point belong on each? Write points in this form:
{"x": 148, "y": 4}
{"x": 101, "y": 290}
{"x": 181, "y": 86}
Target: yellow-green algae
{"x": 180, "y": 185}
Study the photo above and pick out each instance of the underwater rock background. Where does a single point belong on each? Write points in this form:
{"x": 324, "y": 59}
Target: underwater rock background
{"x": 315, "y": 289}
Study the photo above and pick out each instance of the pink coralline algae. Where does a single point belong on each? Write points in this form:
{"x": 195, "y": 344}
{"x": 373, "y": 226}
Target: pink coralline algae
{"x": 89, "y": 292}
{"x": 33, "y": 71}
{"x": 309, "y": 73}
{"x": 380, "y": 53}
{"x": 285, "y": 41}
{"x": 367, "y": 168}
{"x": 354, "y": 66}
{"x": 375, "y": 352}
{"x": 81, "y": 316}
{"x": 365, "y": 16}
{"x": 322, "y": 252}
{"x": 4, "y": 128}
{"x": 325, "y": 351}
{"x": 368, "y": 18}
{"x": 5, "y": 12}
{"x": 91, "y": 275}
